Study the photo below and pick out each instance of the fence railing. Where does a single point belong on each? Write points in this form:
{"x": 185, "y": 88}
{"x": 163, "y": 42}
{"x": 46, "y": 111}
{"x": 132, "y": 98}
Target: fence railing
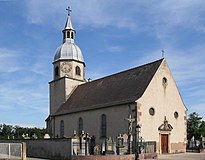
{"x": 148, "y": 147}
{"x": 13, "y": 151}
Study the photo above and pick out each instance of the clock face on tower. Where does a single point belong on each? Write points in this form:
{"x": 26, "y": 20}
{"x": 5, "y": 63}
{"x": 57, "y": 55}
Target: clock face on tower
{"x": 66, "y": 67}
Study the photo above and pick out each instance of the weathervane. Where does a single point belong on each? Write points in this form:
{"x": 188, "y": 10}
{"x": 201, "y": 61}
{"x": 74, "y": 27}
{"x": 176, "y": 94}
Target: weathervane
{"x": 163, "y": 53}
{"x": 69, "y": 10}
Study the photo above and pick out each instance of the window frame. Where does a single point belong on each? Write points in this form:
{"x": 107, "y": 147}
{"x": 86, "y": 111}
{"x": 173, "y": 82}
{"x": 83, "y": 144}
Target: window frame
{"x": 103, "y": 133}
{"x": 80, "y": 125}
{"x": 77, "y": 70}
{"x": 61, "y": 129}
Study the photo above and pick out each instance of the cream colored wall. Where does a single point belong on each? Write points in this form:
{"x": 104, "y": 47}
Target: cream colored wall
{"x": 57, "y": 94}
{"x": 64, "y": 84}
{"x": 92, "y": 121}
{"x": 165, "y": 101}
{"x": 60, "y": 90}
{"x": 72, "y": 73}
{"x": 81, "y": 65}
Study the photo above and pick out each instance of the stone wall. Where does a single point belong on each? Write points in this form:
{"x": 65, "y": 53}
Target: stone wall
{"x": 58, "y": 149}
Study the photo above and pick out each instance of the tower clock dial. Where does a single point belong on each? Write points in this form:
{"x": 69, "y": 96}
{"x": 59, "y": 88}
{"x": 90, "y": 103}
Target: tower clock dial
{"x": 66, "y": 67}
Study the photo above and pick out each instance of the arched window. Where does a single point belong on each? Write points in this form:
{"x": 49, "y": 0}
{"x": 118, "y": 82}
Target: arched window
{"x": 80, "y": 125}
{"x": 77, "y": 70}
{"x": 68, "y": 34}
{"x": 103, "y": 126}
{"x": 61, "y": 129}
{"x": 57, "y": 71}
{"x": 72, "y": 35}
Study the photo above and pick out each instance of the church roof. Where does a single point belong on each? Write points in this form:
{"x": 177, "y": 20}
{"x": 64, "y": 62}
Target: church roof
{"x": 121, "y": 88}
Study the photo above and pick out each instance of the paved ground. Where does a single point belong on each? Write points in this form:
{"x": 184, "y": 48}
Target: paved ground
{"x": 28, "y": 158}
{"x": 183, "y": 156}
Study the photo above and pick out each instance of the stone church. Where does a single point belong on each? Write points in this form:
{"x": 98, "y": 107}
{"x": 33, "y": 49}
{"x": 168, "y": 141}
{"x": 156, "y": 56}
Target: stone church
{"x": 100, "y": 107}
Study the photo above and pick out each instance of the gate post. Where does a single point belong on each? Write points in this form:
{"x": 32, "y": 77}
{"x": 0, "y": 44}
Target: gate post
{"x": 23, "y": 151}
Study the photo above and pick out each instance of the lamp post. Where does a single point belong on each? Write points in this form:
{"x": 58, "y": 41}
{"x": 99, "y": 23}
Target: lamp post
{"x": 137, "y": 130}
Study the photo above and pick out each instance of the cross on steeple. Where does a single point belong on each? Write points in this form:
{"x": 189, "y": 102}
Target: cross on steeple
{"x": 69, "y": 10}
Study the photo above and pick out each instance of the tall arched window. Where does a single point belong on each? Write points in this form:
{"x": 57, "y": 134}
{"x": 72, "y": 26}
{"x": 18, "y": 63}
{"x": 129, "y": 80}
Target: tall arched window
{"x": 57, "y": 71}
{"x": 61, "y": 129}
{"x": 77, "y": 70}
{"x": 80, "y": 125}
{"x": 103, "y": 126}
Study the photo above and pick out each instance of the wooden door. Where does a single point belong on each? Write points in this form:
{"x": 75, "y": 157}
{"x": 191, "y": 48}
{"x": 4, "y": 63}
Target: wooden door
{"x": 164, "y": 143}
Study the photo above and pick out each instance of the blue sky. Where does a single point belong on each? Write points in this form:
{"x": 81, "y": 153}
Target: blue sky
{"x": 113, "y": 36}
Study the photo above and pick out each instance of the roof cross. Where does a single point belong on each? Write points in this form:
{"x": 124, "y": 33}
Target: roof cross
{"x": 69, "y": 10}
{"x": 163, "y": 53}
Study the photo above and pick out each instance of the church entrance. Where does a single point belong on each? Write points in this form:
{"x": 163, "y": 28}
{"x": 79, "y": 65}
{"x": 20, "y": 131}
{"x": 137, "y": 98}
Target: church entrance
{"x": 164, "y": 143}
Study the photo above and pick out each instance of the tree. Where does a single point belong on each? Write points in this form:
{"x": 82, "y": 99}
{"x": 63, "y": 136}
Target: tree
{"x": 8, "y": 131}
{"x": 195, "y": 126}
{"x": 202, "y": 128}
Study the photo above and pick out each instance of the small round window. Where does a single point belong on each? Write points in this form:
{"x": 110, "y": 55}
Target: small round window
{"x": 176, "y": 115}
{"x": 151, "y": 111}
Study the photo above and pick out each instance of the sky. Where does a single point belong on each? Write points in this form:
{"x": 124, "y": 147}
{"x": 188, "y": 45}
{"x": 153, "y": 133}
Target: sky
{"x": 113, "y": 36}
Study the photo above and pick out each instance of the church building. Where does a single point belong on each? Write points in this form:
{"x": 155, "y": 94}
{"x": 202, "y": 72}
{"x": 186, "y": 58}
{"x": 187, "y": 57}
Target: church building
{"x": 100, "y": 107}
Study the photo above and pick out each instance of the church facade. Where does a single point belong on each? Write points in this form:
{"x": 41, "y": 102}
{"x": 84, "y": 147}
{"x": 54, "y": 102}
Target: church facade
{"x": 148, "y": 93}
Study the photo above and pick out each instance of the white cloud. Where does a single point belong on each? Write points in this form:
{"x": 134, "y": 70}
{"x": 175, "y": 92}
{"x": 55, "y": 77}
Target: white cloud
{"x": 113, "y": 48}
{"x": 9, "y": 60}
{"x": 133, "y": 15}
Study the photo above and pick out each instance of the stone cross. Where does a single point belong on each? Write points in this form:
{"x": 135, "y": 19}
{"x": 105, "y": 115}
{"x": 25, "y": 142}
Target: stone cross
{"x": 131, "y": 121}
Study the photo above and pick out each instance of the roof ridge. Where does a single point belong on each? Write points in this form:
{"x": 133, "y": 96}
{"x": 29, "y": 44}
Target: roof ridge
{"x": 123, "y": 71}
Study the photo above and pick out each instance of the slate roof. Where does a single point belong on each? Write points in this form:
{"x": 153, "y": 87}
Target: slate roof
{"x": 121, "y": 88}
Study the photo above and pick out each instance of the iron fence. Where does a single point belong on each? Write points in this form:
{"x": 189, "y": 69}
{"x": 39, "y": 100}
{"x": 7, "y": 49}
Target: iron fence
{"x": 147, "y": 147}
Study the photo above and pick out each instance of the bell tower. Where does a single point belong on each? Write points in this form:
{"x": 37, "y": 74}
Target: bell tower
{"x": 68, "y": 67}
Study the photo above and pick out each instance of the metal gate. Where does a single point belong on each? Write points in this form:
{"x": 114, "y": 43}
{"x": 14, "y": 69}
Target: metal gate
{"x": 11, "y": 151}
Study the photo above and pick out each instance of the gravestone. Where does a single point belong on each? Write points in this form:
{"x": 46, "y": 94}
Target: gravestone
{"x": 87, "y": 138}
{"x": 75, "y": 143}
{"x": 110, "y": 146}
{"x": 46, "y": 136}
{"x": 92, "y": 144}
{"x": 103, "y": 147}
{"x": 120, "y": 140}
{"x": 97, "y": 150}
{"x": 34, "y": 136}
{"x": 120, "y": 144}
{"x": 82, "y": 143}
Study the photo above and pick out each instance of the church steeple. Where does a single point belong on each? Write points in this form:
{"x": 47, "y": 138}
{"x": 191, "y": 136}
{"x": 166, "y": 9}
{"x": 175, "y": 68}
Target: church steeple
{"x": 68, "y": 69}
{"x": 68, "y": 31}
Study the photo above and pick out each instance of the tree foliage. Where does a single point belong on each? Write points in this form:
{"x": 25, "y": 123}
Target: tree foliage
{"x": 195, "y": 126}
{"x": 17, "y": 132}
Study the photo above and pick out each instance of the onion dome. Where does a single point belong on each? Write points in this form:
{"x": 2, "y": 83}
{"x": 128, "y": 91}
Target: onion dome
{"x": 68, "y": 50}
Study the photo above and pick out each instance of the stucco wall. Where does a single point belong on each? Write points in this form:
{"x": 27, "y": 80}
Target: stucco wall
{"x": 165, "y": 100}
{"x": 92, "y": 121}
{"x": 72, "y": 72}
{"x": 60, "y": 90}
{"x": 58, "y": 149}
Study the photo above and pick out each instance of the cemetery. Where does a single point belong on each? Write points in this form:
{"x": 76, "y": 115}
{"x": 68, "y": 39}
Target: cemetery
{"x": 128, "y": 145}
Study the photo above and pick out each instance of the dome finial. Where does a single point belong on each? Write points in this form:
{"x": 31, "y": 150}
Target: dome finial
{"x": 69, "y": 10}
